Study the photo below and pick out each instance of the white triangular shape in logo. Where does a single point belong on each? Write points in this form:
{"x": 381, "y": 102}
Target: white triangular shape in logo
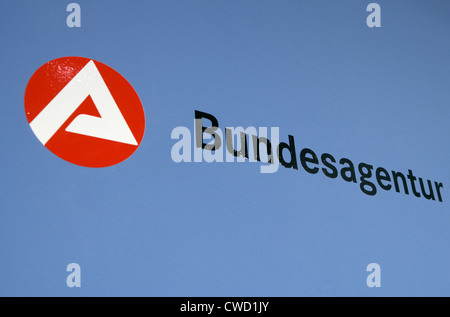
{"x": 88, "y": 82}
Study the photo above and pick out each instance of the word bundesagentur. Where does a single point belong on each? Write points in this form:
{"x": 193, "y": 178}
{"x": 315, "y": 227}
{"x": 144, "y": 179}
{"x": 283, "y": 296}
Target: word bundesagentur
{"x": 309, "y": 160}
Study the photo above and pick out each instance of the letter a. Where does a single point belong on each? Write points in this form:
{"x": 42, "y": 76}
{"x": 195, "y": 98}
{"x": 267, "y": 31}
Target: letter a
{"x": 374, "y": 18}
{"x": 73, "y": 19}
{"x": 374, "y": 278}
{"x": 74, "y": 278}
{"x": 181, "y": 151}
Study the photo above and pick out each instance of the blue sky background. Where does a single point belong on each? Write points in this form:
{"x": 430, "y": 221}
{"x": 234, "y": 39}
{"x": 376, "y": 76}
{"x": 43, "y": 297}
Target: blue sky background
{"x": 152, "y": 227}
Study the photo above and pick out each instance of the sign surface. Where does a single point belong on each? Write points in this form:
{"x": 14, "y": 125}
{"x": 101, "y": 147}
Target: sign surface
{"x": 358, "y": 92}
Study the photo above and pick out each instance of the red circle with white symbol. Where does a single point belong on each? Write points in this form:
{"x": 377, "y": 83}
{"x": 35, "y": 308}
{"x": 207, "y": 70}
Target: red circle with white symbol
{"x": 84, "y": 112}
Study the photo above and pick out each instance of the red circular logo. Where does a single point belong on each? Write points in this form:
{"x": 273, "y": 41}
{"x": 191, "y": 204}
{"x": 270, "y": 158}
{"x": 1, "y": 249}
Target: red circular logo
{"x": 84, "y": 112}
